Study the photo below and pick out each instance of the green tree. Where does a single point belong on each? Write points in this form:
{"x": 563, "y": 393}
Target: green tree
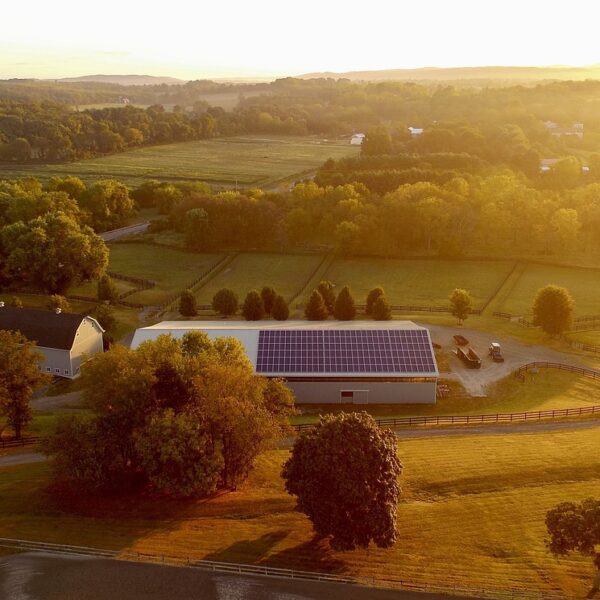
{"x": 377, "y": 141}
{"x": 107, "y": 290}
{"x": 381, "y": 311}
{"x": 326, "y": 289}
{"x": 315, "y": 309}
{"x": 553, "y": 309}
{"x": 345, "y": 309}
{"x": 58, "y": 302}
{"x": 105, "y": 315}
{"x": 460, "y": 304}
{"x": 576, "y": 528}
{"x": 371, "y": 297}
{"x": 108, "y": 203}
{"x": 20, "y": 376}
{"x": 281, "y": 310}
{"x": 268, "y": 295}
{"x": 253, "y": 308}
{"x": 225, "y": 302}
{"x": 178, "y": 455}
{"x": 187, "y": 304}
{"x": 344, "y": 473}
{"x": 52, "y": 252}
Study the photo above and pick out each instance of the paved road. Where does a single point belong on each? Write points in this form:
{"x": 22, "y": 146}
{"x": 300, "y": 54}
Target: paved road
{"x": 115, "y": 234}
{"x": 37, "y": 576}
{"x": 515, "y": 355}
{"x": 21, "y": 458}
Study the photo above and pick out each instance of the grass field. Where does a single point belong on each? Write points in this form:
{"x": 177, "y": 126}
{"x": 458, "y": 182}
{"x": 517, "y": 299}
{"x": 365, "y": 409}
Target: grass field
{"x": 171, "y": 270}
{"x": 287, "y": 273}
{"x": 419, "y": 282}
{"x": 472, "y": 513}
{"x": 546, "y": 390}
{"x": 248, "y": 161}
{"x": 582, "y": 283}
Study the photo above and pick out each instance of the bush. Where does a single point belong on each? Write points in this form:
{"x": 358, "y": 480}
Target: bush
{"x": 345, "y": 309}
{"x": 372, "y": 297}
{"x": 281, "y": 311}
{"x": 268, "y": 295}
{"x": 57, "y": 302}
{"x": 316, "y": 310}
{"x": 187, "y": 304}
{"x": 225, "y": 302}
{"x": 381, "y": 309}
{"x": 325, "y": 288}
{"x": 107, "y": 290}
{"x": 253, "y": 309}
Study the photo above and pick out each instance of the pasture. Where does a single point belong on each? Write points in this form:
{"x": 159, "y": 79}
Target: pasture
{"x": 287, "y": 273}
{"x": 472, "y": 514}
{"x": 581, "y": 282}
{"x": 419, "y": 282}
{"x": 172, "y": 270}
{"x": 245, "y": 161}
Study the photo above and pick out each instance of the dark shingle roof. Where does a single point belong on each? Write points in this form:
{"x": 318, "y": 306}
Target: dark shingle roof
{"x": 42, "y": 326}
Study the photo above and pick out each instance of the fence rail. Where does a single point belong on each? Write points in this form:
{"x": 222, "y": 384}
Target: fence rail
{"x": 449, "y": 587}
{"x": 561, "y": 367}
{"x": 17, "y": 443}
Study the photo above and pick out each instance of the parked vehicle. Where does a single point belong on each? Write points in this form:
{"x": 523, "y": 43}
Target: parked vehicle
{"x": 461, "y": 340}
{"x": 495, "y": 352}
{"x": 469, "y": 357}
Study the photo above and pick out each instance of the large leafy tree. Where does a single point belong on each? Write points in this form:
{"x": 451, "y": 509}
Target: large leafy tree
{"x": 187, "y": 304}
{"x": 52, "y": 252}
{"x": 576, "y": 528}
{"x": 184, "y": 416}
{"x": 19, "y": 377}
{"x": 553, "y": 309}
{"x": 107, "y": 290}
{"x": 108, "y": 203}
{"x": 253, "y": 308}
{"x": 344, "y": 473}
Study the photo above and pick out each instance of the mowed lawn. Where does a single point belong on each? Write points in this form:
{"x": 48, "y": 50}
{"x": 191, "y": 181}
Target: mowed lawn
{"x": 244, "y": 160}
{"x": 419, "y": 282}
{"x": 584, "y": 285}
{"x": 287, "y": 273}
{"x": 172, "y": 270}
{"x": 472, "y": 514}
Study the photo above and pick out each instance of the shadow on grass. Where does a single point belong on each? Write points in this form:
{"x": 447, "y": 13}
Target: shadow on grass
{"x": 249, "y": 551}
{"x": 314, "y": 555}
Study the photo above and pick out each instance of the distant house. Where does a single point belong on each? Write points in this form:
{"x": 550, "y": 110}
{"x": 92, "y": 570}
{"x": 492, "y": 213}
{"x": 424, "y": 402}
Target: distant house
{"x": 576, "y": 129}
{"x": 415, "y": 131}
{"x": 357, "y": 139}
{"x": 66, "y": 340}
{"x": 546, "y": 165}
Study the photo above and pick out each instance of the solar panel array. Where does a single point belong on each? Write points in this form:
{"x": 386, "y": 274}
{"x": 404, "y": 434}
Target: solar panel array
{"x": 344, "y": 351}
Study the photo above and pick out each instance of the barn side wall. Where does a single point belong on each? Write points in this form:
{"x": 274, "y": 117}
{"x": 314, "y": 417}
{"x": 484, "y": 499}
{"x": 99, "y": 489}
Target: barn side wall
{"x": 386, "y": 392}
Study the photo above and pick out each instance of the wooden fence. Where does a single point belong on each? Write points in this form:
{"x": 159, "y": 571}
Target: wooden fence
{"x": 559, "y": 366}
{"x": 17, "y": 443}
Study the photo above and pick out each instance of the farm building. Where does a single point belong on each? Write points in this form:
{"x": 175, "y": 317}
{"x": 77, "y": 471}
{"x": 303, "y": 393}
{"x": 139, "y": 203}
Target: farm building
{"x": 357, "y": 139}
{"x": 415, "y": 131}
{"x": 66, "y": 340}
{"x": 330, "y": 362}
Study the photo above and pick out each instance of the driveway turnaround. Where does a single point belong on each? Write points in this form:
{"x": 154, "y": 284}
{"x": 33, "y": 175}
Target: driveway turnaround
{"x": 37, "y": 576}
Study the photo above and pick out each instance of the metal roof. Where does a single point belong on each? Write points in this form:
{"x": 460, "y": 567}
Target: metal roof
{"x": 319, "y": 348}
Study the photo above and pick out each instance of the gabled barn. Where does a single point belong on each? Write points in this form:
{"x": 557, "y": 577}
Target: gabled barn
{"x": 64, "y": 339}
{"x": 330, "y": 362}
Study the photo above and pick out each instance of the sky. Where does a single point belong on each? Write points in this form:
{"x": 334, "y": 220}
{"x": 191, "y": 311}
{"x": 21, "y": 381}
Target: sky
{"x": 266, "y": 38}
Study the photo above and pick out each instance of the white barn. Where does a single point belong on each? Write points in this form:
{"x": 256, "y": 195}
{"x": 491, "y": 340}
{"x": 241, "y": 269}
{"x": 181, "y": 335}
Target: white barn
{"x": 357, "y": 139}
{"x": 330, "y": 362}
{"x": 65, "y": 340}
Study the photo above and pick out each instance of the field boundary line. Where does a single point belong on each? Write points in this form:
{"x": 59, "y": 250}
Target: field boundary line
{"x": 499, "y": 287}
{"x": 319, "y": 272}
{"x": 452, "y": 589}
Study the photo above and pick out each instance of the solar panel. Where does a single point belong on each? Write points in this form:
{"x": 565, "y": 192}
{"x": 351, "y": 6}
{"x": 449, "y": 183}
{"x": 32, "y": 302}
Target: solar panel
{"x": 344, "y": 351}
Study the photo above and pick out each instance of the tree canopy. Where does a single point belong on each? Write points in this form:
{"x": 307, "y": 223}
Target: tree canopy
{"x": 553, "y": 309}
{"x": 344, "y": 473}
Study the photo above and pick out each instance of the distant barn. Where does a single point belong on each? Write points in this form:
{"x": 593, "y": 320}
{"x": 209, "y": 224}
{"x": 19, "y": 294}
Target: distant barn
{"x": 65, "y": 340}
{"x": 357, "y": 139}
{"x": 330, "y": 362}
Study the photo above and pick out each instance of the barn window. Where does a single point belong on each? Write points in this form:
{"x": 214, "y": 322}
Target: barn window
{"x": 347, "y": 396}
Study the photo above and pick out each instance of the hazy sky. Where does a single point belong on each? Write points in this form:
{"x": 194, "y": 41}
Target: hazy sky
{"x": 196, "y": 39}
